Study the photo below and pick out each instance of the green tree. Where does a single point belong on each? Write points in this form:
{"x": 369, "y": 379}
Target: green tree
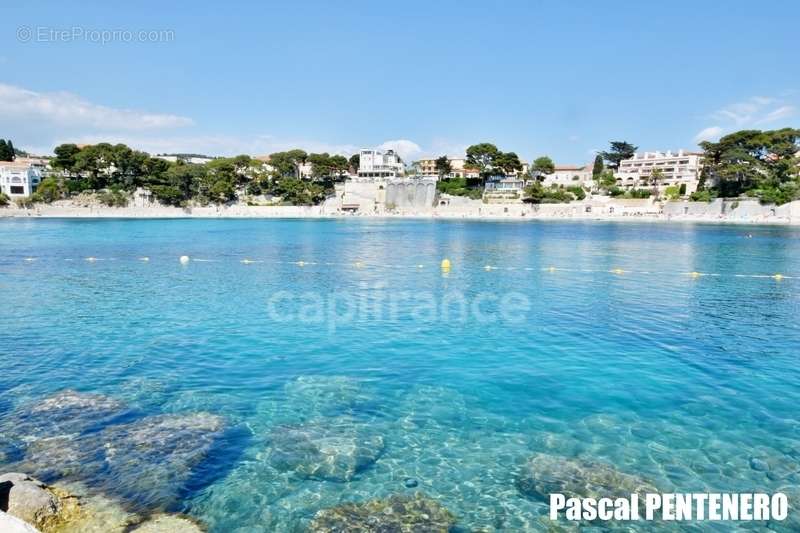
{"x": 65, "y": 157}
{"x": 6, "y": 153}
{"x": 763, "y": 164}
{"x": 605, "y": 181}
{"x": 288, "y": 163}
{"x": 483, "y": 157}
{"x": 598, "y": 167}
{"x": 543, "y": 165}
{"x": 12, "y": 152}
{"x": 321, "y": 165}
{"x": 619, "y": 151}
{"x": 508, "y": 163}
{"x": 443, "y": 166}
{"x": 49, "y": 190}
{"x": 354, "y": 161}
{"x": 537, "y": 193}
{"x": 96, "y": 162}
{"x": 339, "y": 165}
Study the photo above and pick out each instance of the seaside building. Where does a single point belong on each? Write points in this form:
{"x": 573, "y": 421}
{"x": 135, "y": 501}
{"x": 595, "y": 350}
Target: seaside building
{"x": 381, "y": 185}
{"x": 570, "y": 176}
{"x": 503, "y": 189}
{"x": 380, "y": 164}
{"x": 677, "y": 169}
{"x": 22, "y": 176}
{"x": 186, "y": 158}
{"x": 458, "y": 165}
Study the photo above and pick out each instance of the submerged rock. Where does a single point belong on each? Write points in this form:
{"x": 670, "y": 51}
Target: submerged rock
{"x": 397, "y": 514}
{"x": 57, "y": 457}
{"x": 149, "y": 461}
{"x": 168, "y": 524}
{"x": 146, "y": 461}
{"x": 329, "y": 449}
{"x": 325, "y": 395}
{"x": 544, "y": 474}
{"x": 64, "y": 413}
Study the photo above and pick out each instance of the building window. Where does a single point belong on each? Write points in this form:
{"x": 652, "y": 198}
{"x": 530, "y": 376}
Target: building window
{"x": 17, "y": 189}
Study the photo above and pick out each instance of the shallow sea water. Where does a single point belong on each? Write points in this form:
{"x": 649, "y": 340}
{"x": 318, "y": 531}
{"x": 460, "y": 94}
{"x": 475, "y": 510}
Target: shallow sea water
{"x": 341, "y": 329}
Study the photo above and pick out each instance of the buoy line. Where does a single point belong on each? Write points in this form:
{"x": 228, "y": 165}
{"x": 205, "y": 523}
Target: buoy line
{"x": 446, "y": 266}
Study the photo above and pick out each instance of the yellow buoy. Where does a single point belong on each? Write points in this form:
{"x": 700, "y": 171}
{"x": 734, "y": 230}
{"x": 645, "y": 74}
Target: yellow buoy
{"x": 246, "y": 261}
{"x": 301, "y": 263}
{"x": 91, "y": 259}
{"x": 487, "y": 268}
{"x": 144, "y": 258}
{"x": 695, "y": 274}
{"x": 551, "y": 269}
{"x": 420, "y": 266}
{"x": 184, "y": 259}
{"x": 445, "y": 264}
{"x": 777, "y": 277}
{"x": 358, "y": 264}
{"x": 617, "y": 271}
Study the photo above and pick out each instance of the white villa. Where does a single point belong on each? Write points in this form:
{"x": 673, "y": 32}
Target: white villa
{"x": 21, "y": 177}
{"x": 681, "y": 168}
{"x": 380, "y": 164}
{"x": 570, "y": 176}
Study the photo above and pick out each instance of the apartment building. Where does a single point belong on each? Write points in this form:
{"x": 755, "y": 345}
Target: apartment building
{"x": 676, "y": 169}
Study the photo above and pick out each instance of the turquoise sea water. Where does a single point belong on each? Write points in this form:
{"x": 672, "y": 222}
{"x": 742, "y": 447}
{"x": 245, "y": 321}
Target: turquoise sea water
{"x": 588, "y": 340}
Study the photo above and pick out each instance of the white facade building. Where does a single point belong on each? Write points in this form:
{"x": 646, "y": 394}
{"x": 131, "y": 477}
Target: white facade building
{"x": 677, "y": 169}
{"x": 196, "y": 160}
{"x": 570, "y": 176}
{"x": 21, "y": 177}
{"x": 380, "y": 164}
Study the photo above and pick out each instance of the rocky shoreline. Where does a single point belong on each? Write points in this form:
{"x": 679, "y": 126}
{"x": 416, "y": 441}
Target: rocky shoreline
{"x": 27, "y": 506}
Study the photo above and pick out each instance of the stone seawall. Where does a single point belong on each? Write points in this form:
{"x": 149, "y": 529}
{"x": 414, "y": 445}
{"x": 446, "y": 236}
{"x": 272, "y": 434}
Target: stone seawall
{"x": 722, "y": 211}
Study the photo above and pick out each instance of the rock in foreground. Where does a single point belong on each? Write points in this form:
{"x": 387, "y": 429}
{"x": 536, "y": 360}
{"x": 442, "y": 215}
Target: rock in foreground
{"x": 544, "y": 474}
{"x": 12, "y": 524}
{"x": 28, "y": 499}
{"x": 397, "y": 514}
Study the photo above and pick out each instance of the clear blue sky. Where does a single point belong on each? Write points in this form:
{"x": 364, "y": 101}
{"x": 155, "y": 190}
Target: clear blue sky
{"x": 556, "y": 78}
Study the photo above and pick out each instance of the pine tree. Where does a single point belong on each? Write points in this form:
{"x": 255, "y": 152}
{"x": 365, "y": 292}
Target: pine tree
{"x": 11, "y": 152}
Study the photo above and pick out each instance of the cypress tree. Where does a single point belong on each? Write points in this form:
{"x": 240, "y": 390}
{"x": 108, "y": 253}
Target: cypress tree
{"x": 11, "y": 152}
{"x": 598, "y": 166}
{"x": 4, "y": 151}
